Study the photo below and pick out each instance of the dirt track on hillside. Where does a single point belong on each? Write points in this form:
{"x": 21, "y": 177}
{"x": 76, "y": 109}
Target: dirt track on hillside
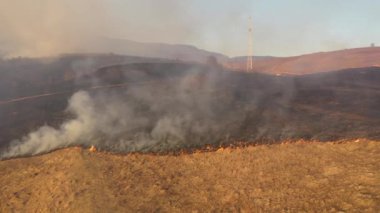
{"x": 312, "y": 177}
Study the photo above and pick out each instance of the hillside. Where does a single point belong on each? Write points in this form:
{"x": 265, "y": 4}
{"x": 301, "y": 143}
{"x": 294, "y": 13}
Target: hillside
{"x": 167, "y": 106}
{"x": 313, "y": 63}
{"x": 297, "y": 177}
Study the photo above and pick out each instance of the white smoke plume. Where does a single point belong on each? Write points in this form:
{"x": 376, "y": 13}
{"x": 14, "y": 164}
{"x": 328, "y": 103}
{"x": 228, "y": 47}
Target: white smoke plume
{"x": 141, "y": 118}
{"x": 177, "y": 111}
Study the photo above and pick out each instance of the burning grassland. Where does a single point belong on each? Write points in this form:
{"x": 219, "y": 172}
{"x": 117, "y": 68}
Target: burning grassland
{"x": 300, "y": 176}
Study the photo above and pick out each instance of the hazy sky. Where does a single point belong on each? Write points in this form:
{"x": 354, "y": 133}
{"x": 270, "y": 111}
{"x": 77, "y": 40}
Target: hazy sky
{"x": 281, "y": 27}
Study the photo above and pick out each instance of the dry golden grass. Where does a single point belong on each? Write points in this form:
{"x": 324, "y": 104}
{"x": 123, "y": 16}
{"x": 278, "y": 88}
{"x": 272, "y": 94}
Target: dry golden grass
{"x": 296, "y": 177}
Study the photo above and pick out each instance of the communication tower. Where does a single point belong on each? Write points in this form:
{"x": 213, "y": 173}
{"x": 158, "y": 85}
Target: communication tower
{"x": 250, "y": 47}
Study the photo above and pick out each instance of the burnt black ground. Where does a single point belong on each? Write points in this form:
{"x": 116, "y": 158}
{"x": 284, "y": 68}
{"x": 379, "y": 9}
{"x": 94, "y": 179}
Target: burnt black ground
{"x": 250, "y": 107}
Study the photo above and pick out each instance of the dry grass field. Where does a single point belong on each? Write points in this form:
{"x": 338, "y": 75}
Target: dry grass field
{"x": 293, "y": 177}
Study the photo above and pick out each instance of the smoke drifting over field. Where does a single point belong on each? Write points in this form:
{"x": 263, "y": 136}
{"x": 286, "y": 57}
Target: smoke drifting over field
{"x": 170, "y": 106}
{"x": 157, "y": 115}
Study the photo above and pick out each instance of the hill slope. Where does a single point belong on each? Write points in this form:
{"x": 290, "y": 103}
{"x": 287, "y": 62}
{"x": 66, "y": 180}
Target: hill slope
{"x": 312, "y": 177}
{"x": 313, "y": 63}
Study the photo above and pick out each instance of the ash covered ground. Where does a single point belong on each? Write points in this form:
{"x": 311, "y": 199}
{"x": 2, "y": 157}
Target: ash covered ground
{"x": 169, "y": 106}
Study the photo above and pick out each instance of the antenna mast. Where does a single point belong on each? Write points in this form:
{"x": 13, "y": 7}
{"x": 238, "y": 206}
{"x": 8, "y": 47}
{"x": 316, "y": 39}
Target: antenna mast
{"x": 250, "y": 47}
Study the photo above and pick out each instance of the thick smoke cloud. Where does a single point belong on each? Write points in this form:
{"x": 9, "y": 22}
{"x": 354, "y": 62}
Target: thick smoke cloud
{"x": 44, "y": 28}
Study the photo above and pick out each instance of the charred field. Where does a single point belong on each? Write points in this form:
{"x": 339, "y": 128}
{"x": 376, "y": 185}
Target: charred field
{"x": 169, "y": 106}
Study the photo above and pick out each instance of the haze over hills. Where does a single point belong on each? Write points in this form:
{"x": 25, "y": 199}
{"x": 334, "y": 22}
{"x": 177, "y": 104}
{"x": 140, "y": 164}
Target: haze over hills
{"x": 158, "y": 50}
{"x": 127, "y": 47}
{"x": 302, "y": 64}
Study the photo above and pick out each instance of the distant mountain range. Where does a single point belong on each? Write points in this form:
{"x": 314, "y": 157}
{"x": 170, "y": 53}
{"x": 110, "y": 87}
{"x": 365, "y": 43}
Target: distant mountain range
{"x": 179, "y": 52}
